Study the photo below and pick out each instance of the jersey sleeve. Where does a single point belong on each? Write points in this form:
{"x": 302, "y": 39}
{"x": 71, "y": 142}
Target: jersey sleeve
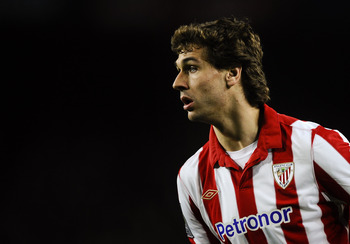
{"x": 196, "y": 229}
{"x": 331, "y": 154}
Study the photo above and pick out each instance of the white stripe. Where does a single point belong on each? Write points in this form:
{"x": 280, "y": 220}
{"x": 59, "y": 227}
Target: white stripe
{"x": 228, "y": 201}
{"x": 306, "y": 184}
{"x": 289, "y": 172}
{"x": 190, "y": 177}
{"x": 332, "y": 162}
{"x": 265, "y": 197}
{"x": 189, "y": 184}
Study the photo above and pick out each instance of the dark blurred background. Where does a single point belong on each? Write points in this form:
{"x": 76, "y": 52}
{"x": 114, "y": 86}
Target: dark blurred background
{"x": 93, "y": 134}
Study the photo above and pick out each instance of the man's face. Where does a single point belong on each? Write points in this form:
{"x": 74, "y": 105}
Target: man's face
{"x": 201, "y": 86}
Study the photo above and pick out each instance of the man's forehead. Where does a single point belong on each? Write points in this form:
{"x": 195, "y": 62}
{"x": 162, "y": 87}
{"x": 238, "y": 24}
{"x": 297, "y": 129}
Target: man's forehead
{"x": 193, "y": 55}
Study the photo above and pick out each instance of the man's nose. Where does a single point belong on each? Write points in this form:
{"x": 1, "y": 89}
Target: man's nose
{"x": 180, "y": 82}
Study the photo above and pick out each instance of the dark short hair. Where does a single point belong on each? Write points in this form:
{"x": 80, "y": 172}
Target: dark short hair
{"x": 229, "y": 43}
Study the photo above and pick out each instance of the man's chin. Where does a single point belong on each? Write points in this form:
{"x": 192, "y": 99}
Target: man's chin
{"x": 191, "y": 115}
{"x": 194, "y": 117}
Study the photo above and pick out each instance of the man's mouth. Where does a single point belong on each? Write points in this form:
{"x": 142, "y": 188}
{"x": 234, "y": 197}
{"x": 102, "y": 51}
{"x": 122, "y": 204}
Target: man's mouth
{"x": 188, "y": 103}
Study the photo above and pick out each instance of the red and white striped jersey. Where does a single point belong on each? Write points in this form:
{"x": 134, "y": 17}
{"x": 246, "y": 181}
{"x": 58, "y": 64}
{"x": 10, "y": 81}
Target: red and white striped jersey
{"x": 295, "y": 188}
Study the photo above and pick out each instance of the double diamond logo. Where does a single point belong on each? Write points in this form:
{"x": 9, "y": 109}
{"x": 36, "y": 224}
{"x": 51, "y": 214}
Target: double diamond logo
{"x": 209, "y": 194}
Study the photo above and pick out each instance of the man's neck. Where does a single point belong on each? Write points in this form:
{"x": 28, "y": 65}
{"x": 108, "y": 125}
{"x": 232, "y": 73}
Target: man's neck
{"x": 239, "y": 130}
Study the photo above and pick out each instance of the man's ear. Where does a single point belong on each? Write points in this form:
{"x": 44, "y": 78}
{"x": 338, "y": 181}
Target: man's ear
{"x": 233, "y": 76}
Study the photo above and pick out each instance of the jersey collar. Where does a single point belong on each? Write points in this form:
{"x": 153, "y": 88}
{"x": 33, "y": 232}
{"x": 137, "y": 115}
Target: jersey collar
{"x": 269, "y": 138}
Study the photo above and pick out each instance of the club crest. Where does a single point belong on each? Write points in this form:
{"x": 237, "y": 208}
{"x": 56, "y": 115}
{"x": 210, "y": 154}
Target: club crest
{"x": 283, "y": 173}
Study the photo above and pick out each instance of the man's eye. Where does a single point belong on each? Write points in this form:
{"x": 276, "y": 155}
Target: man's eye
{"x": 192, "y": 69}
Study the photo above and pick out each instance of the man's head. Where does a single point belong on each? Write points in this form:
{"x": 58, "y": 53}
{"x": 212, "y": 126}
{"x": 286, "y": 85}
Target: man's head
{"x": 227, "y": 44}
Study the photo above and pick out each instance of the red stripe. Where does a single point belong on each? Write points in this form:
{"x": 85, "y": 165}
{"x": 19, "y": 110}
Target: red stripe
{"x": 191, "y": 240}
{"x": 212, "y": 206}
{"x": 198, "y": 216}
{"x": 335, "y": 140}
{"x": 243, "y": 182}
{"x": 327, "y": 184}
{"x": 334, "y": 229}
{"x": 294, "y": 231}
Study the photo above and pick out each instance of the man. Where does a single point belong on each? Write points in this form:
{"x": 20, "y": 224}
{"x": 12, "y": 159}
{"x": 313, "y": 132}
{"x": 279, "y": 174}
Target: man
{"x": 262, "y": 177}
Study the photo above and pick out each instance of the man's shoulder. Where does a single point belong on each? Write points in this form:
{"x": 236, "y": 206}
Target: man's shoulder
{"x": 310, "y": 127}
{"x": 190, "y": 169}
{"x": 191, "y": 164}
{"x": 297, "y": 124}
{"x": 189, "y": 176}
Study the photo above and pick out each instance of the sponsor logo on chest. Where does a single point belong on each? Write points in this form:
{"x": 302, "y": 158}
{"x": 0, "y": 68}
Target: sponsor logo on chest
{"x": 253, "y": 222}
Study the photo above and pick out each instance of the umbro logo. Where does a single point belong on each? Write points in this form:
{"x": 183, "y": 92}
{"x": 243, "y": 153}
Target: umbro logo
{"x": 209, "y": 194}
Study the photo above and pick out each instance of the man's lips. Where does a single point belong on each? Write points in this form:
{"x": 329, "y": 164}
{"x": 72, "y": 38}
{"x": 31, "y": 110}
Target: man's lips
{"x": 187, "y": 101}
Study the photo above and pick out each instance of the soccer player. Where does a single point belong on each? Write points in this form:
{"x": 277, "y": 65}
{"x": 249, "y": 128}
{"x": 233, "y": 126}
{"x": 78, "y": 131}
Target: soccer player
{"x": 262, "y": 177}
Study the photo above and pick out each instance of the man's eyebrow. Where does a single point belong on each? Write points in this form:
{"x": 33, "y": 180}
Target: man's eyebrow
{"x": 186, "y": 60}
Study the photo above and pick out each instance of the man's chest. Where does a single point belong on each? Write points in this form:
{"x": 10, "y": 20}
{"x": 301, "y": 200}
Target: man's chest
{"x": 262, "y": 197}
